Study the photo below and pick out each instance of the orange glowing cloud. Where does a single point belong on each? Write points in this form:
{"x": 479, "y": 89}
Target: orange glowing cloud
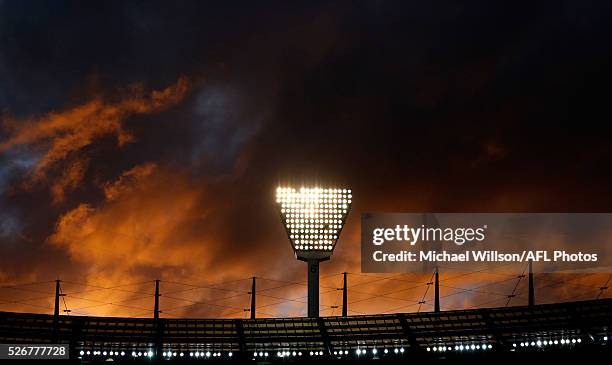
{"x": 59, "y": 135}
{"x": 155, "y": 222}
{"x": 139, "y": 226}
{"x": 159, "y": 222}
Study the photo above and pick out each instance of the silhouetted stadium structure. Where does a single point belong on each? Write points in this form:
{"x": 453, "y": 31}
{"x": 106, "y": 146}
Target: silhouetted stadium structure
{"x": 528, "y": 328}
{"x": 565, "y": 331}
{"x": 474, "y": 334}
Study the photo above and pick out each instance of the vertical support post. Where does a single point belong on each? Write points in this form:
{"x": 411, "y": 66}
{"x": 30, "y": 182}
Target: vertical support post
{"x": 324, "y": 336}
{"x": 493, "y": 328}
{"x": 156, "y": 310}
{"x": 437, "y": 292}
{"x": 159, "y": 325}
{"x": 253, "y": 299}
{"x": 408, "y": 332}
{"x": 313, "y": 288}
{"x": 344, "y": 298}
{"x": 57, "y": 301}
{"x": 76, "y": 342}
{"x": 531, "y": 288}
{"x": 56, "y": 311}
{"x": 241, "y": 340}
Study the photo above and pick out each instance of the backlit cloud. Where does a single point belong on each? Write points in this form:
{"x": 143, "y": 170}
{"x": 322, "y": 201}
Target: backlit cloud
{"x": 59, "y": 136}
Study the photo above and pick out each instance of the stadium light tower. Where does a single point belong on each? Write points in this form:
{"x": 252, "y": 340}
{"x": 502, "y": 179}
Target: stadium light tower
{"x": 313, "y": 219}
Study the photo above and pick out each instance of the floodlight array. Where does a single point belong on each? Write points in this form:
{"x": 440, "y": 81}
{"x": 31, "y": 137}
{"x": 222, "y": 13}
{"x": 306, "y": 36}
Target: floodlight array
{"x": 166, "y": 354}
{"x": 337, "y": 352}
{"x": 461, "y": 347}
{"x": 549, "y": 342}
{"x": 313, "y": 217}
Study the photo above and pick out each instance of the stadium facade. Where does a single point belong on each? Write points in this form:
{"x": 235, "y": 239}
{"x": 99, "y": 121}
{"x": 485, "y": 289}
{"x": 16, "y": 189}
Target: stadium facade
{"x": 562, "y": 330}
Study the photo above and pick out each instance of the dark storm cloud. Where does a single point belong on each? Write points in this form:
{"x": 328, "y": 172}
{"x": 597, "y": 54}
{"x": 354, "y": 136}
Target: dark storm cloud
{"x": 417, "y": 106}
{"x": 220, "y": 127}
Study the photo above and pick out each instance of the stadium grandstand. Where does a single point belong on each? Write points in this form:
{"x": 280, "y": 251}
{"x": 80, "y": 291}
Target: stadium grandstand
{"x": 563, "y": 330}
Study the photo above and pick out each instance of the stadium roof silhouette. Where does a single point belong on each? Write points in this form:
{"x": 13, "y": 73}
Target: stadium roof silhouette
{"x": 569, "y": 325}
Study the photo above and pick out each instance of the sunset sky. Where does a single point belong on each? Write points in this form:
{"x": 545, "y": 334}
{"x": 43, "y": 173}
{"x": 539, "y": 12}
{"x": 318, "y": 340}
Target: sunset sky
{"x": 143, "y": 141}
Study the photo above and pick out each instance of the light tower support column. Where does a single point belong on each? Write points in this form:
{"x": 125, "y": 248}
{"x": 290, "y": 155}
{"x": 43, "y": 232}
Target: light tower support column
{"x": 313, "y": 287}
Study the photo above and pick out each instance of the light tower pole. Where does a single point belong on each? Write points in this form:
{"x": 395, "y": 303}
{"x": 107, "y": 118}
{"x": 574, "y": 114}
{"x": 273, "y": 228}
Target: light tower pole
{"x": 313, "y": 219}
{"x": 313, "y": 287}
